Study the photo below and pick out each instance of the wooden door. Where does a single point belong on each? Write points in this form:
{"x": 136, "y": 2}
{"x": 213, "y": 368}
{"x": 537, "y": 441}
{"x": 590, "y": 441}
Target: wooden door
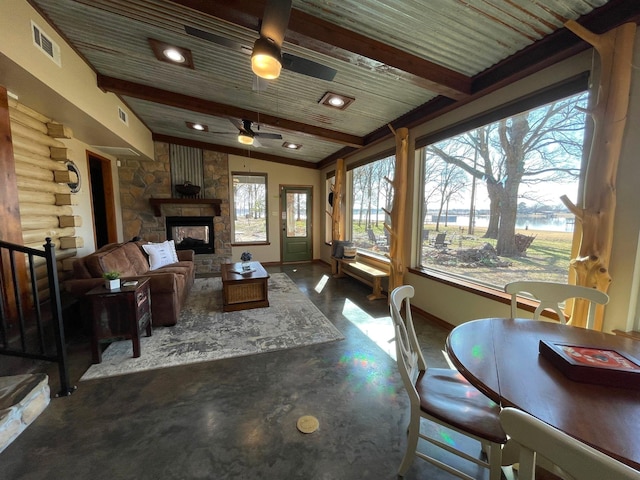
{"x": 295, "y": 214}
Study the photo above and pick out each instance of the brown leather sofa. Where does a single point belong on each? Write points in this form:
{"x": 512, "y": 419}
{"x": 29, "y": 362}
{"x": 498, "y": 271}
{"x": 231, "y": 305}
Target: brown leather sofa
{"x": 170, "y": 285}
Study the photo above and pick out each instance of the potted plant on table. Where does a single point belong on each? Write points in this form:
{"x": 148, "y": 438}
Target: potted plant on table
{"x": 246, "y": 260}
{"x": 111, "y": 280}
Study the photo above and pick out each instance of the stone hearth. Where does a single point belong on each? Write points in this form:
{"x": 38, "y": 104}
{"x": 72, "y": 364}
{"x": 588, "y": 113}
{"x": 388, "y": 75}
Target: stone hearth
{"x": 141, "y": 180}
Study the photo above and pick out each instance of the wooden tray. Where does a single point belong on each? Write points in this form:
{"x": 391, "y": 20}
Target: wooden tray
{"x": 593, "y": 364}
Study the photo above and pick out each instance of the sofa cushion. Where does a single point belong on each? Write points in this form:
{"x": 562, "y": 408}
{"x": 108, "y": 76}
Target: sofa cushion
{"x": 117, "y": 261}
{"x": 92, "y": 262}
{"x": 136, "y": 256}
{"x": 161, "y": 254}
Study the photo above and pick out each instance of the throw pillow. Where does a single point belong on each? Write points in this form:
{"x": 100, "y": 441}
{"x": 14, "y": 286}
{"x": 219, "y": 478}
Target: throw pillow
{"x": 172, "y": 246}
{"x": 160, "y": 254}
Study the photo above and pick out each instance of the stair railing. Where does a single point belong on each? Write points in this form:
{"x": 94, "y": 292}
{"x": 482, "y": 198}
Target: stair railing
{"x": 31, "y": 340}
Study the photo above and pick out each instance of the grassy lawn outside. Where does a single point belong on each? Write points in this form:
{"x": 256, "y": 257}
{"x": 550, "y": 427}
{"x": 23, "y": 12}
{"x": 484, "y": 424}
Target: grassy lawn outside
{"x": 547, "y": 258}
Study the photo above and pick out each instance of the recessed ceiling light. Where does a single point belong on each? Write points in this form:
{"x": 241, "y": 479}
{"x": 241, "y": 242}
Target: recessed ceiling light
{"x": 174, "y": 55}
{"x": 292, "y": 146}
{"x": 335, "y": 100}
{"x": 197, "y": 126}
{"x": 171, "y": 53}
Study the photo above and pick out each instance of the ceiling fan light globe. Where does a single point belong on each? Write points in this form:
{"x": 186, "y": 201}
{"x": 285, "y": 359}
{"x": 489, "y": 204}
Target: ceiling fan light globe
{"x": 245, "y": 139}
{"x": 266, "y": 59}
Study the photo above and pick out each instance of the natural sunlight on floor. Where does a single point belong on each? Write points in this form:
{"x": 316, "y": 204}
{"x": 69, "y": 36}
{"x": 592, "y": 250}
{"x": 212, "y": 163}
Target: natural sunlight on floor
{"x": 380, "y": 330}
{"x": 323, "y": 281}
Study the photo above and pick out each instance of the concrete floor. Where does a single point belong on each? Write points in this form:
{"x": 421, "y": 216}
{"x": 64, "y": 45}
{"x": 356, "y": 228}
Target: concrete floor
{"x": 236, "y": 418}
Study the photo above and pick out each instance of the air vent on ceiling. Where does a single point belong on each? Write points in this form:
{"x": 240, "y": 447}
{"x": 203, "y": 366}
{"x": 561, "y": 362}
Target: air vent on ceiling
{"x": 45, "y": 44}
{"x": 122, "y": 115}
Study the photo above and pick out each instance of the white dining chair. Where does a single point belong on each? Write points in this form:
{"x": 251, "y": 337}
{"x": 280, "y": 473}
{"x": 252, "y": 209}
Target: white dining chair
{"x": 551, "y": 295}
{"x": 538, "y": 439}
{"x": 442, "y": 396}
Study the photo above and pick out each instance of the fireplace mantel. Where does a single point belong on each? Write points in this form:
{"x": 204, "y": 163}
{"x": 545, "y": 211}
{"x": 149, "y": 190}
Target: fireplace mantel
{"x": 157, "y": 203}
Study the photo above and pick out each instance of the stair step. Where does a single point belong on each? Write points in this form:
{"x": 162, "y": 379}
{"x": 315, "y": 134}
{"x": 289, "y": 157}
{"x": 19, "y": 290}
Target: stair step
{"x": 22, "y": 399}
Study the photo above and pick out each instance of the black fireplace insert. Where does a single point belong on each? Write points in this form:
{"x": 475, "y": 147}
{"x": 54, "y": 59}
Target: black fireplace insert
{"x": 191, "y": 233}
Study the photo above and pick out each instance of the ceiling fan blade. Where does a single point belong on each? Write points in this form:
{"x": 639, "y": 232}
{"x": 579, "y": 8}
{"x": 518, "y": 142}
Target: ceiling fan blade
{"x": 307, "y": 67}
{"x": 213, "y": 38}
{"x": 256, "y": 143}
{"x": 239, "y": 124}
{"x": 273, "y": 136}
{"x": 289, "y": 62}
{"x": 275, "y": 20}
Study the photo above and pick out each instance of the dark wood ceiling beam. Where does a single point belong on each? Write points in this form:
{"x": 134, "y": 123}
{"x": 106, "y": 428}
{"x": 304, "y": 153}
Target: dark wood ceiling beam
{"x": 443, "y": 81}
{"x": 207, "y": 107}
{"x": 552, "y": 49}
{"x": 309, "y": 30}
{"x": 557, "y": 46}
{"x": 233, "y": 151}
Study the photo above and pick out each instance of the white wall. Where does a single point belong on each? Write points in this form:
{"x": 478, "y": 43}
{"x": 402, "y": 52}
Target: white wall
{"x": 78, "y": 154}
{"x": 279, "y": 175}
{"x": 65, "y": 92}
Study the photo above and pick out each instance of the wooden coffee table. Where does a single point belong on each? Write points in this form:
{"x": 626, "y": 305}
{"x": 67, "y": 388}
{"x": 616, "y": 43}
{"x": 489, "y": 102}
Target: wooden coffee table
{"x": 242, "y": 291}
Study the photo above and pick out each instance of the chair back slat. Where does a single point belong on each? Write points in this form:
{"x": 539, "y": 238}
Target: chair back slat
{"x": 408, "y": 354}
{"x": 551, "y": 295}
{"x": 573, "y": 457}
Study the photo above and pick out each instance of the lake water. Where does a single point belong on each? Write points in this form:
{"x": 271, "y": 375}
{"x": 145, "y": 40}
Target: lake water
{"x": 558, "y": 224}
{"x": 526, "y": 222}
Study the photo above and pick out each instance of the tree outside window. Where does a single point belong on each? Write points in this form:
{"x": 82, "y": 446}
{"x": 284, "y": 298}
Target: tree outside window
{"x": 249, "y": 207}
{"x": 494, "y": 191}
{"x": 371, "y": 193}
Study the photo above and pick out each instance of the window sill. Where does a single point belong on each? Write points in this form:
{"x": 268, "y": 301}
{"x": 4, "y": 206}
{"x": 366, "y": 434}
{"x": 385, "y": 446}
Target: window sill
{"x": 477, "y": 289}
{"x": 244, "y": 244}
{"x": 373, "y": 258}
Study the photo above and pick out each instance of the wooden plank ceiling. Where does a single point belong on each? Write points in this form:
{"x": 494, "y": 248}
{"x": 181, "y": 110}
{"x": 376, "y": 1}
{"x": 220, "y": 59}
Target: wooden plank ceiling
{"x": 402, "y": 61}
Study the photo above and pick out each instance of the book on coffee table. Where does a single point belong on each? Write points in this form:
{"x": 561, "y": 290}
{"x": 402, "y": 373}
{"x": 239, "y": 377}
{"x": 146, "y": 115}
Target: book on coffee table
{"x": 243, "y": 272}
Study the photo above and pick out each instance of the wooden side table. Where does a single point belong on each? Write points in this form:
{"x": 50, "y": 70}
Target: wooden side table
{"x": 120, "y": 314}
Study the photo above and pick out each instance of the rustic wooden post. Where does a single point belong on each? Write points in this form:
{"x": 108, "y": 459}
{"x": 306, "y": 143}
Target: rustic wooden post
{"x": 591, "y": 265}
{"x": 337, "y": 217}
{"x": 10, "y": 227}
{"x": 397, "y": 228}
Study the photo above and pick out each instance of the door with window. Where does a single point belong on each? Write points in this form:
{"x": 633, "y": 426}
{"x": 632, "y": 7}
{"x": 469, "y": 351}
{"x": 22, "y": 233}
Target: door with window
{"x": 295, "y": 214}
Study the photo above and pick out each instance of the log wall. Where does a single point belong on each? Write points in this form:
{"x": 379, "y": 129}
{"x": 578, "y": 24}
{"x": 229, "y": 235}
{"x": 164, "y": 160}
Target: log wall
{"x": 44, "y": 197}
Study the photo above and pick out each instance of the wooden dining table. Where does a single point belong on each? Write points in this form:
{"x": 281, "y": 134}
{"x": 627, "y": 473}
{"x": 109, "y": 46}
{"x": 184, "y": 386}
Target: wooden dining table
{"x": 500, "y": 356}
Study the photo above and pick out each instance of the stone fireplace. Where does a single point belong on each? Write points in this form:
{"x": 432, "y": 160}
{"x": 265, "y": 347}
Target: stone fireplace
{"x": 142, "y": 180}
{"x": 195, "y": 233}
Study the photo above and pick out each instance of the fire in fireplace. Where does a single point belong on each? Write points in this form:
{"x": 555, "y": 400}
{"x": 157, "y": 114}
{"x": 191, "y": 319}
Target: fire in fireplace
{"x": 191, "y": 233}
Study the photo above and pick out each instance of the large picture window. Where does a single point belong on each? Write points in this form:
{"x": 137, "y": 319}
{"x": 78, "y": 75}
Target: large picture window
{"x": 371, "y": 194}
{"x": 491, "y": 208}
{"x": 249, "y": 207}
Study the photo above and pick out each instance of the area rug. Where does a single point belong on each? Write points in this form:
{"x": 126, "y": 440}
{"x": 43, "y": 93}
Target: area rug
{"x": 204, "y": 332}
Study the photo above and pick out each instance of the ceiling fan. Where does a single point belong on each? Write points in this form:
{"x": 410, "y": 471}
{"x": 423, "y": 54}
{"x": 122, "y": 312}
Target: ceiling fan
{"x": 246, "y": 133}
{"x": 272, "y": 30}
